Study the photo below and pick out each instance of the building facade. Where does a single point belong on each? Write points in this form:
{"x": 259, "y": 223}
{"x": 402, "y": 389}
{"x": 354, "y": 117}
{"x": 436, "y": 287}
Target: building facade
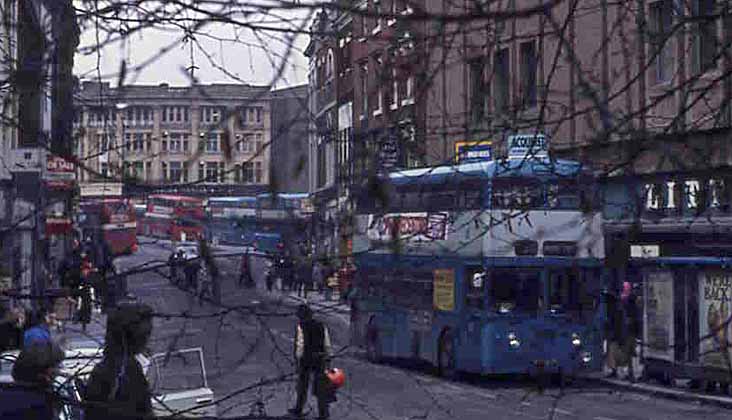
{"x": 216, "y": 134}
{"x": 39, "y": 39}
{"x": 324, "y": 145}
{"x": 290, "y": 142}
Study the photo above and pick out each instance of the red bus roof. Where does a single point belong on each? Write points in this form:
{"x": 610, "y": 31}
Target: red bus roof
{"x": 172, "y": 197}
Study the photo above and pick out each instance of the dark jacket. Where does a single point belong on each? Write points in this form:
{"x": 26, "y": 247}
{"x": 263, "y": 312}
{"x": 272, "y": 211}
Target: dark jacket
{"x": 69, "y": 270}
{"x": 116, "y": 392}
{"x": 312, "y": 343}
{"x": 20, "y": 402}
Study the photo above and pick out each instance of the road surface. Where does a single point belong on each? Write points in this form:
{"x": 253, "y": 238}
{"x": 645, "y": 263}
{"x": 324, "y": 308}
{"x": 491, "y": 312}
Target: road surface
{"x": 249, "y": 339}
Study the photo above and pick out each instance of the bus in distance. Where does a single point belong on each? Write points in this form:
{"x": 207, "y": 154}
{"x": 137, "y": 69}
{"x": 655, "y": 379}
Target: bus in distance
{"x": 491, "y": 267}
{"x": 174, "y": 217}
{"x": 231, "y": 220}
{"x": 110, "y": 221}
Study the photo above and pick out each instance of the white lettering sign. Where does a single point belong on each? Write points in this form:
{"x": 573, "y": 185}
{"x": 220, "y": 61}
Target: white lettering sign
{"x": 522, "y": 146}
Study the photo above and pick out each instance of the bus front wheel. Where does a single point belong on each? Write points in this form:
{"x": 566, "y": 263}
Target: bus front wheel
{"x": 373, "y": 346}
{"x": 446, "y": 356}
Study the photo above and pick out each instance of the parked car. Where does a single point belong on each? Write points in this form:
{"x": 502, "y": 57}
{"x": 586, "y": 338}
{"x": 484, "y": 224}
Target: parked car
{"x": 185, "y": 390}
{"x": 190, "y": 249}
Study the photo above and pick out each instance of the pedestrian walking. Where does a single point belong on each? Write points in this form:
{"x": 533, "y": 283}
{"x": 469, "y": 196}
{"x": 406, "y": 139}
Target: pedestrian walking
{"x": 312, "y": 355}
{"x": 317, "y": 275}
{"x": 245, "y": 274}
{"x": 174, "y": 264}
{"x": 191, "y": 268}
{"x": 12, "y": 321}
{"x": 117, "y": 387}
{"x": 623, "y": 331}
{"x": 30, "y": 396}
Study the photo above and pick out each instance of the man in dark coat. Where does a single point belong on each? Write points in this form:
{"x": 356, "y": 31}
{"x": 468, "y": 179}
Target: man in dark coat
{"x": 117, "y": 387}
{"x": 30, "y": 396}
{"x": 312, "y": 352}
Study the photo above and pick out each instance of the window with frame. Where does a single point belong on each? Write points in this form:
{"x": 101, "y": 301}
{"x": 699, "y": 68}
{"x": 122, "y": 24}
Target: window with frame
{"x": 259, "y": 115}
{"x": 139, "y": 142}
{"x": 237, "y": 173}
{"x": 258, "y": 172}
{"x": 176, "y": 171}
{"x": 501, "y": 80}
{"x": 516, "y": 194}
{"x": 223, "y": 176}
{"x": 104, "y": 169}
{"x": 128, "y": 141}
{"x": 475, "y": 287}
{"x": 258, "y": 143}
{"x": 201, "y": 171}
{"x": 148, "y": 171}
{"x": 705, "y": 40}
{"x": 477, "y": 90}
{"x": 176, "y": 142}
{"x": 528, "y": 74}
{"x": 247, "y": 172}
{"x": 661, "y": 22}
{"x": 212, "y": 171}
{"x": 212, "y": 142}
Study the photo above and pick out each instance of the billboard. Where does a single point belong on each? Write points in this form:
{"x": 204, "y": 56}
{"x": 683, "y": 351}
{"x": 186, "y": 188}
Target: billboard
{"x": 473, "y": 151}
{"x": 521, "y": 146}
{"x": 60, "y": 173}
{"x": 410, "y": 227}
{"x": 714, "y": 312}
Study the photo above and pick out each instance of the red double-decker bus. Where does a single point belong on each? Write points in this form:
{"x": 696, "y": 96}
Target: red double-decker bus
{"x": 174, "y": 217}
{"x": 109, "y": 220}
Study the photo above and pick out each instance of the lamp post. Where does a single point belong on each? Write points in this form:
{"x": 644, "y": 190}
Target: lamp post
{"x": 121, "y": 107}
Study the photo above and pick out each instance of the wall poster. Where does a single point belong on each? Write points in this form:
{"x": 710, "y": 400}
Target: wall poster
{"x": 714, "y": 313}
{"x": 444, "y": 289}
{"x": 658, "y": 315}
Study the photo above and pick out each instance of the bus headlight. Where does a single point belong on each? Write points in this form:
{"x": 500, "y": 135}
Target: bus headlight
{"x": 576, "y": 340}
{"x": 586, "y": 357}
{"x": 513, "y": 341}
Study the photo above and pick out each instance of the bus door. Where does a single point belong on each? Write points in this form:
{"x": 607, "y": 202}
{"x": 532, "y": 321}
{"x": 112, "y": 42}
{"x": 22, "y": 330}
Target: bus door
{"x": 475, "y": 316}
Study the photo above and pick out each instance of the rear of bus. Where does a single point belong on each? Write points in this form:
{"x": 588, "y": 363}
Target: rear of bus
{"x": 119, "y": 227}
{"x": 189, "y": 219}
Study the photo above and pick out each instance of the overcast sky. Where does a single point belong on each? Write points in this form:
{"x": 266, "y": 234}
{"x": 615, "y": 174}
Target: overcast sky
{"x": 249, "y": 59}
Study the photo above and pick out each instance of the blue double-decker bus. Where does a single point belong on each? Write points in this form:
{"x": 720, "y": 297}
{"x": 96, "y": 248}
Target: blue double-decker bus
{"x": 231, "y": 220}
{"x": 490, "y": 267}
{"x": 281, "y": 221}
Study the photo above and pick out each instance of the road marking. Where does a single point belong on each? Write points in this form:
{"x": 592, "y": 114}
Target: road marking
{"x": 603, "y": 418}
{"x": 560, "y": 411}
{"x": 526, "y": 403}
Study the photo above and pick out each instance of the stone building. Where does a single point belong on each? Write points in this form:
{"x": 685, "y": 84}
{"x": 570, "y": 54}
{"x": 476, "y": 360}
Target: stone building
{"x": 290, "y": 130}
{"x": 214, "y": 134}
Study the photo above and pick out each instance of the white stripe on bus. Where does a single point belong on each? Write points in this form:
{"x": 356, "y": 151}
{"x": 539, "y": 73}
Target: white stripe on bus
{"x": 112, "y": 226}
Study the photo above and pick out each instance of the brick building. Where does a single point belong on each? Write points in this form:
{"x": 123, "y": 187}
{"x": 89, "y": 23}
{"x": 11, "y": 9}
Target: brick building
{"x": 161, "y": 135}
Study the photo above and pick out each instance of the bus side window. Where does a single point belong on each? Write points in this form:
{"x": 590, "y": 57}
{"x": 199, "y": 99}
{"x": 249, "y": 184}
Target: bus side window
{"x": 474, "y": 282}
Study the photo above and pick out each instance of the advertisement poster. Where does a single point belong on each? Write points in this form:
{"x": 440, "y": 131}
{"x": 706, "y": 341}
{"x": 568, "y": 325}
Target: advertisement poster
{"x": 658, "y": 315}
{"x": 60, "y": 173}
{"x": 411, "y": 227}
{"x": 444, "y": 289}
{"x": 714, "y": 313}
